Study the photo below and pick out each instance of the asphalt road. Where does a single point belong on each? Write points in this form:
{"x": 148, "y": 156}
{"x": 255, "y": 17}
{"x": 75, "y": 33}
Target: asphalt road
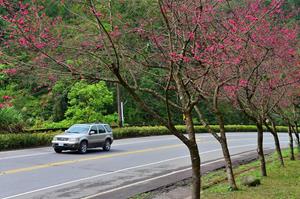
{"x": 130, "y": 167}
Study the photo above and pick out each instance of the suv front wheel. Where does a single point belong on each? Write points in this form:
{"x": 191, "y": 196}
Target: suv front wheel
{"x": 83, "y": 147}
{"x": 57, "y": 150}
{"x": 106, "y": 146}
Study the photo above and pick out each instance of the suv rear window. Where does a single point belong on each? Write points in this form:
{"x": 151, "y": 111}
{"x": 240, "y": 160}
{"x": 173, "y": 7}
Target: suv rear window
{"x": 101, "y": 129}
{"x": 108, "y": 128}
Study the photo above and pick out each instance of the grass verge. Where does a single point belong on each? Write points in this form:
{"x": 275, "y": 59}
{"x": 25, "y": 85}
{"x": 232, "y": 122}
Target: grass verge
{"x": 281, "y": 183}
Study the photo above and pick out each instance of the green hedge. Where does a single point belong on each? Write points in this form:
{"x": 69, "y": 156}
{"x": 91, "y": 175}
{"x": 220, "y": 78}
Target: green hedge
{"x": 160, "y": 130}
{"x": 25, "y": 140}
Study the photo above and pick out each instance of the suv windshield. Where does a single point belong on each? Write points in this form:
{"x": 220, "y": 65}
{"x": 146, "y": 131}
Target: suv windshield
{"x": 78, "y": 129}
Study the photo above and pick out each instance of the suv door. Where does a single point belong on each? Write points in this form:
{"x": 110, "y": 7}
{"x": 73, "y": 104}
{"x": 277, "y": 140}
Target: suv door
{"x": 102, "y": 133}
{"x": 92, "y": 138}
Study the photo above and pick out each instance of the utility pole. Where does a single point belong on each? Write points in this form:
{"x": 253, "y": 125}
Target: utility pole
{"x": 119, "y": 103}
{"x": 120, "y": 107}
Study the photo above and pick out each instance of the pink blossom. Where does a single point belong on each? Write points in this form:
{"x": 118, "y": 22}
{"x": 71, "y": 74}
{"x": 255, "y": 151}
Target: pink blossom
{"x": 23, "y": 41}
{"x": 40, "y": 45}
{"x": 186, "y": 59}
{"x": 291, "y": 51}
{"x": 98, "y": 14}
{"x": 24, "y": 12}
{"x": 198, "y": 45}
{"x": 236, "y": 61}
{"x": 251, "y": 18}
{"x": 44, "y": 35}
{"x": 6, "y": 97}
{"x": 1, "y": 104}
{"x": 230, "y": 90}
{"x": 175, "y": 57}
{"x": 116, "y": 32}
{"x": 99, "y": 46}
{"x": 11, "y": 71}
{"x": 243, "y": 83}
{"x": 254, "y": 6}
{"x": 191, "y": 35}
{"x": 210, "y": 48}
{"x": 24, "y": 6}
{"x": 140, "y": 31}
{"x": 232, "y": 22}
{"x": 85, "y": 44}
{"x": 21, "y": 21}
{"x": 197, "y": 58}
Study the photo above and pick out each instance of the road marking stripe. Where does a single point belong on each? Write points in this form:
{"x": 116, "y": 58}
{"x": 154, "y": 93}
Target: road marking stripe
{"x": 23, "y": 156}
{"x": 42, "y": 166}
{"x": 87, "y": 159}
{"x": 125, "y": 169}
{"x": 149, "y": 179}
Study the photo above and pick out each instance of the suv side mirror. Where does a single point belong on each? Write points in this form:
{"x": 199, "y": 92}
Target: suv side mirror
{"x": 92, "y": 132}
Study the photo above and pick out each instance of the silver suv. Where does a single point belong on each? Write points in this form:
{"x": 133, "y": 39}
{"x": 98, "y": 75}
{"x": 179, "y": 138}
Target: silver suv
{"x": 83, "y": 136}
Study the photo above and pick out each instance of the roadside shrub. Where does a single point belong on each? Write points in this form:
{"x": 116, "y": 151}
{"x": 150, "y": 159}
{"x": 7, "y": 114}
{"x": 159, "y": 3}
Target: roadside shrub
{"x": 10, "y": 120}
{"x": 160, "y": 130}
{"x": 25, "y": 140}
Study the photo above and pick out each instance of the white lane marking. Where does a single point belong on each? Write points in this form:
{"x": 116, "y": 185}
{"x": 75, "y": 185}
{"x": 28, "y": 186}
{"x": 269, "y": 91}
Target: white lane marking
{"x": 21, "y": 150}
{"x": 147, "y": 180}
{"x": 22, "y": 156}
{"x": 122, "y": 170}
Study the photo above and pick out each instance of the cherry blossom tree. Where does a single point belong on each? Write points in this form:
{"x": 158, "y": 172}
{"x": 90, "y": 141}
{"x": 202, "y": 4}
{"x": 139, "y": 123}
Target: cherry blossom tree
{"x": 269, "y": 64}
{"x": 193, "y": 50}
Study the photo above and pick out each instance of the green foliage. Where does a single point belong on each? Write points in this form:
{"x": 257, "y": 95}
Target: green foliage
{"x": 89, "y": 103}
{"x": 10, "y": 120}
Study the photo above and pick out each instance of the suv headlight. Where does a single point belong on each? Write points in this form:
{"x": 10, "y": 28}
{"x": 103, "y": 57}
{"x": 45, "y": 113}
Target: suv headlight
{"x": 73, "y": 139}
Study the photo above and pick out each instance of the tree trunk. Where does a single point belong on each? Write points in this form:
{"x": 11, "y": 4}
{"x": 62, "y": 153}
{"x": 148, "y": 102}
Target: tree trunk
{"x": 278, "y": 148}
{"x": 195, "y": 157}
{"x": 223, "y": 141}
{"x": 196, "y": 171}
{"x": 226, "y": 154}
{"x": 228, "y": 163}
{"x": 296, "y": 132}
{"x": 260, "y": 148}
{"x": 291, "y": 143}
{"x": 274, "y": 133}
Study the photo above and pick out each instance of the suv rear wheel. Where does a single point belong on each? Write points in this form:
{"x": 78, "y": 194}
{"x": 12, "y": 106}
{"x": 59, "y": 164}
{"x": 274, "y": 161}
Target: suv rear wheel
{"x": 106, "y": 146}
{"x": 83, "y": 147}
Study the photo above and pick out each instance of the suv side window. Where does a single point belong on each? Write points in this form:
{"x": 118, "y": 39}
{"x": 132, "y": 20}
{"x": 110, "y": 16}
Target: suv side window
{"x": 108, "y": 128}
{"x": 94, "y": 128}
{"x": 101, "y": 129}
